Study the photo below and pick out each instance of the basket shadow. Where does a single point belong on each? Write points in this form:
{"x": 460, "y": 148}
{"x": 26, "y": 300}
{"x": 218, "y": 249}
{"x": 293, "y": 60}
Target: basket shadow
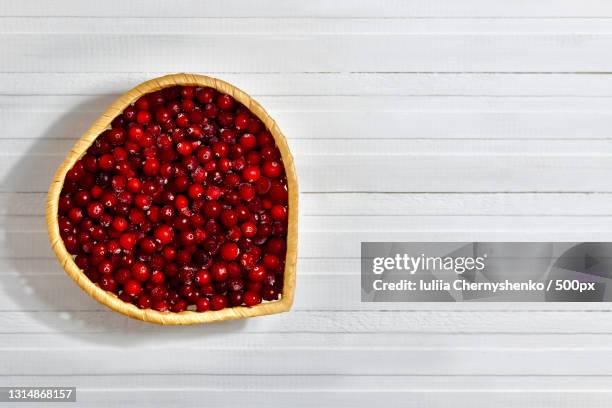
{"x": 43, "y": 298}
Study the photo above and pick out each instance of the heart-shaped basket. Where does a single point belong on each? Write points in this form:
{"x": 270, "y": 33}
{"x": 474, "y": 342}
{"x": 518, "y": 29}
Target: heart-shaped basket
{"x": 187, "y": 317}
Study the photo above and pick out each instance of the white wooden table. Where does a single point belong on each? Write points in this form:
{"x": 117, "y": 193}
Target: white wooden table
{"x": 414, "y": 120}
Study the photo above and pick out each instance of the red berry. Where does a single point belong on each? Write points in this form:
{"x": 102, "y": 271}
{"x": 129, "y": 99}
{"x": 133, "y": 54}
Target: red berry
{"x": 219, "y": 272}
{"x": 249, "y": 229}
{"x": 205, "y": 95}
{"x": 248, "y": 141}
{"x": 257, "y": 274}
{"x": 132, "y": 288}
{"x": 143, "y": 117}
{"x": 272, "y": 169}
{"x": 242, "y": 121}
{"x": 251, "y": 299}
{"x": 279, "y": 212}
{"x": 203, "y": 277}
{"x": 225, "y": 102}
{"x": 144, "y": 302}
{"x": 218, "y": 302}
{"x": 107, "y": 282}
{"x": 106, "y": 162}
{"x": 229, "y": 218}
{"x": 251, "y": 173}
{"x": 230, "y": 251}
{"x": 95, "y": 210}
{"x": 127, "y": 241}
{"x": 202, "y": 304}
{"x": 140, "y": 272}
{"x": 164, "y": 234}
{"x": 150, "y": 167}
{"x": 195, "y": 191}
{"x": 119, "y": 224}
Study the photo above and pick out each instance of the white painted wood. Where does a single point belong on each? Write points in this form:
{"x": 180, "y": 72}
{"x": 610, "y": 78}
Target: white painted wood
{"x": 317, "y": 8}
{"x": 320, "y": 383}
{"x": 305, "y": 53}
{"x": 336, "y": 104}
{"x": 330, "y": 237}
{"x": 42, "y": 285}
{"x": 389, "y": 165}
{"x": 318, "y": 84}
{"x": 340, "y": 26}
{"x": 264, "y": 354}
{"x": 343, "y": 399}
{"x": 333, "y": 390}
{"x": 509, "y": 321}
{"x": 368, "y": 124}
{"x": 410, "y": 120}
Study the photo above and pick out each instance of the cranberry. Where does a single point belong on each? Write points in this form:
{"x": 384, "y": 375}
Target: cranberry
{"x": 144, "y": 301}
{"x": 107, "y": 283}
{"x": 164, "y": 234}
{"x": 279, "y": 212}
{"x": 127, "y": 241}
{"x": 140, "y": 272}
{"x": 95, "y": 210}
{"x": 251, "y": 173}
{"x": 272, "y": 169}
{"x": 219, "y": 272}
{"x": 181, "y": 204}
{"x": 251, "y": 298}
{"x": 132, "y": 288}
{"x": 225, "y": 102}
{"x": 229, "y": 218}
{"x": 150, "y": 167}
{"x": 257, "y": 274}
{"x": 230, "y": 251}
{"x": 218, "y": 302}
{"x": 242, "y": 121}
{"x": 202, "y": 304}
{"x": 143, "y": 117}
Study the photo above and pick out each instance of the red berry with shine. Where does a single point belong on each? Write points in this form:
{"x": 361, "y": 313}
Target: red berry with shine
{"x": 251, "y": 173}
{"x": 230, "y": 251}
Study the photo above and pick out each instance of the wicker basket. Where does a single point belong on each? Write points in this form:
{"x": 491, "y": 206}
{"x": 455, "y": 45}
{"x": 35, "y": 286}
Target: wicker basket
{"x": 187, "y": 317}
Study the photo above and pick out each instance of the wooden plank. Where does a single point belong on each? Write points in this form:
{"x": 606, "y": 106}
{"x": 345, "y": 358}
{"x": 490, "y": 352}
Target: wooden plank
{"x": 508, "y": 321}
{"x": 309, "y": 25}
{"x": 342, "y": 399}
{"x": 317, "y": 383}
{"x": 34, "y": 104}
{"x": 320, "y": 84}
{"x": 306, "y": 354}
{"x": 192, "y": 343}
{"x": 317, "y": 8}
{"x": 303, "y": 53}
{"x": 371, "y": 125}
{"x": 334, "y": 286}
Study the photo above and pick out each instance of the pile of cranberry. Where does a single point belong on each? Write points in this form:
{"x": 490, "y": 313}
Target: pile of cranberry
{"x": 181, "y": 204}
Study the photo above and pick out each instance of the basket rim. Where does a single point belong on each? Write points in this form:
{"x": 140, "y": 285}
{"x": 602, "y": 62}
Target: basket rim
{"x": 186, "y": 317}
